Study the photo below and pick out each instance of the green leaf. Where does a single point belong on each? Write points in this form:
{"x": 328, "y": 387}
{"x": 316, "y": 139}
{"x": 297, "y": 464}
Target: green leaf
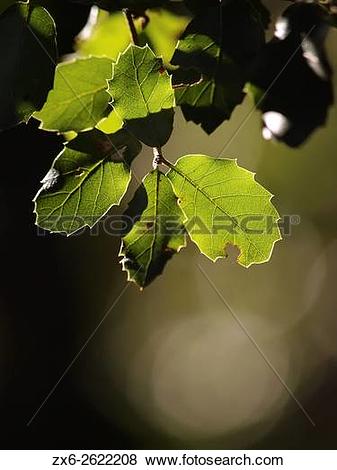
{"x": 27, "y": 57}
{"x": 90, "y": 176}
{"x": 224, "y": 205}
{"x": 79, "y": 99}
{"x": 142, "y": 95}
{"x": 210, "y": 101}
{"x": 161, "y": 33}
{"x": 101, "y": 42}
{"x": 158, "y": 232}
{"x": 220, "y": 44}
{"x": 110, "y": 124}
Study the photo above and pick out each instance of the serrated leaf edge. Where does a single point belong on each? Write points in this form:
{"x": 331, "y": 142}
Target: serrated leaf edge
{"x": 130, "y": 46}
{"x": 90, "y": 226}
{"x": 227, "y": 244}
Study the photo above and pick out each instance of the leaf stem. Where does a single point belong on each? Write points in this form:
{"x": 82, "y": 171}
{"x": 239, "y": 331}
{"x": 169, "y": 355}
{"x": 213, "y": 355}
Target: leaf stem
{"x": 159, "y": 159}
{"x": 129, "y": 19}
{"x": 188, "y": 85}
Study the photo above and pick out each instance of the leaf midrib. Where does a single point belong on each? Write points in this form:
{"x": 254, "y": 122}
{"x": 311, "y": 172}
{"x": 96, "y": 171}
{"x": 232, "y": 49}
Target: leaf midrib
{"x": 155, "y": 224}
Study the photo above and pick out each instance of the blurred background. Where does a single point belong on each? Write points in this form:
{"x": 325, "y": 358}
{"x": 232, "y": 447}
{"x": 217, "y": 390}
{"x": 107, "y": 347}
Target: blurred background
{"x": 170, "y": 367}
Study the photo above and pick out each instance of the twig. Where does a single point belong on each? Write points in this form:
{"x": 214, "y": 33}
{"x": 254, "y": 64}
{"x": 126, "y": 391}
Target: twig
{"x": 159, "y": 159}
{"x": 188, "y": 85}
{"x": 129, "y": 19}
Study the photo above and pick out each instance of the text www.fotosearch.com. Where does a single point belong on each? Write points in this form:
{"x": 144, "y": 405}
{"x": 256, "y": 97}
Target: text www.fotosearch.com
{"x": 194, "y": 460}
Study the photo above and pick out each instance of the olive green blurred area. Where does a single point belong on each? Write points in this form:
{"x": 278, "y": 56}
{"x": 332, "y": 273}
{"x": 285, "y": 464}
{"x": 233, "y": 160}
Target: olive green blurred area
{"x": 209, "y": 355}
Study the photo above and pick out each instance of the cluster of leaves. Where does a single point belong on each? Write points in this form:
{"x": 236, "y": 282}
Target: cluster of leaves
{"x": 114, "y": 107}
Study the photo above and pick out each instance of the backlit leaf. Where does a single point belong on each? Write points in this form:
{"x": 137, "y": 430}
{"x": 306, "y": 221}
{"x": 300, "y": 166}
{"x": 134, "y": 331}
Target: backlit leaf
{"x": 89, "y": 177}
{"x": 224, "y": 205}
{"x": 79, "y": 99}
{"x": 142, "y": 95}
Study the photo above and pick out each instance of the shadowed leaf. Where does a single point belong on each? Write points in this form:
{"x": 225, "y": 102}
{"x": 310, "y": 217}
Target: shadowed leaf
{"x": 297, "y": 102}
{"x": 157, "y": 235}
{"x": 220, "y": 43}
{"x": 27, "y": 56}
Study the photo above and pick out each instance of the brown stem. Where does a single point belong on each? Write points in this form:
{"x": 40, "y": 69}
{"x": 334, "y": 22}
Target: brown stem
{"x": 159, "y": 159}
{"x": 144, "y": 20}
{"x": 188, "y": 85}
{"x": 129, "y": 19}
